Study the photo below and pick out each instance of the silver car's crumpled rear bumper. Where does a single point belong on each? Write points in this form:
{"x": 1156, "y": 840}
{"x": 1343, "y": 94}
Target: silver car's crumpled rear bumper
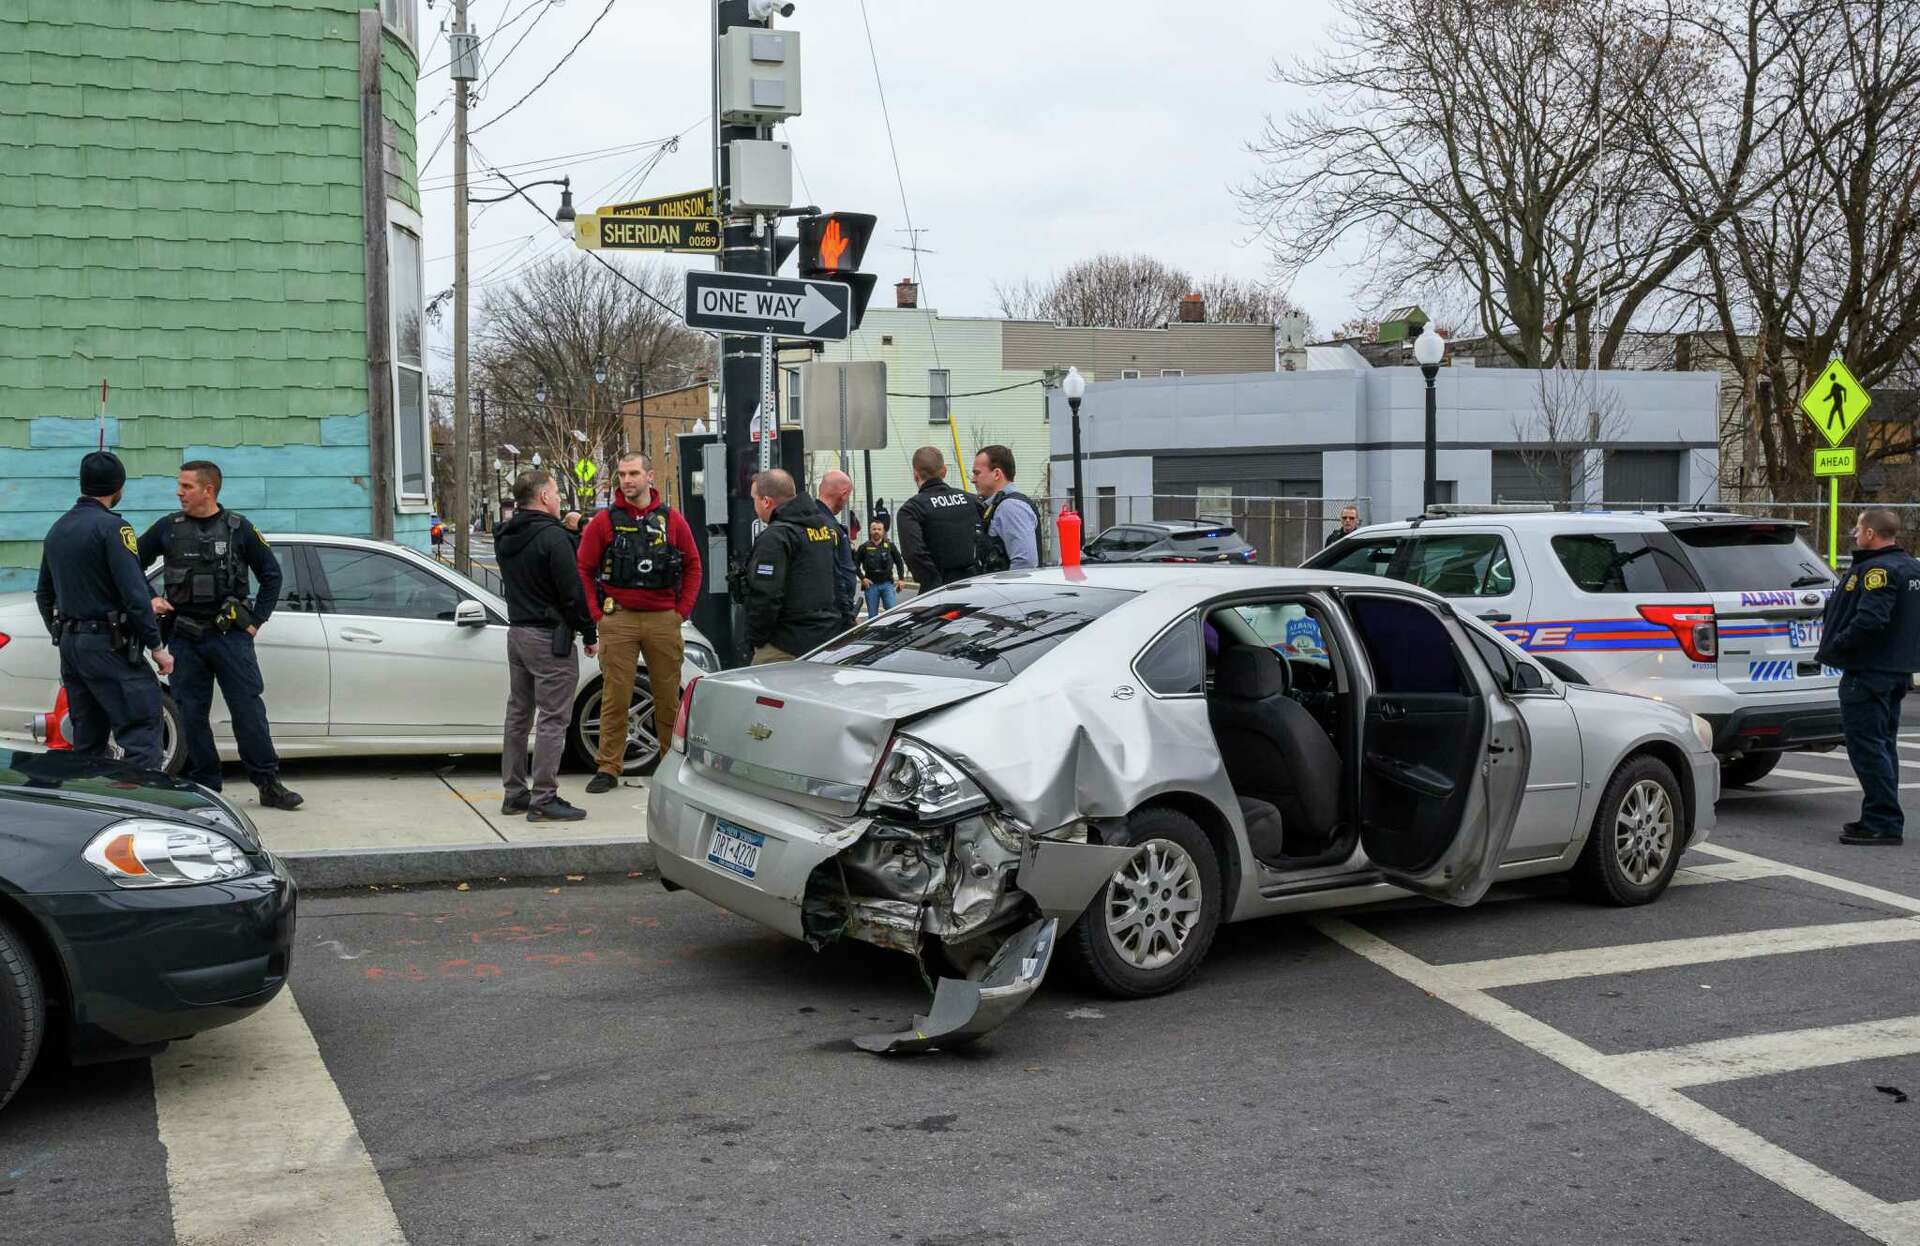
{"x": 992, "y": 895}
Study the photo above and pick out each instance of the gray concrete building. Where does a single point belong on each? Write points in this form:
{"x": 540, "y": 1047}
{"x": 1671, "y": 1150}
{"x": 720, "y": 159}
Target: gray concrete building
{"x": 1202, "y": 447}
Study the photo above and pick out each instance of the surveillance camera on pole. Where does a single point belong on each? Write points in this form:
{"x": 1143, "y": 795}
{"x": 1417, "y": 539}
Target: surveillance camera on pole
{"x": 767, "y": 10}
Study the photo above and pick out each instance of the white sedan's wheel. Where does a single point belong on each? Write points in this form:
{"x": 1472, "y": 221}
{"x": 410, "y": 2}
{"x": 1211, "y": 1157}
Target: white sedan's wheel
{"x": 643, "y": 746}
{"x": 1643, "y": 832}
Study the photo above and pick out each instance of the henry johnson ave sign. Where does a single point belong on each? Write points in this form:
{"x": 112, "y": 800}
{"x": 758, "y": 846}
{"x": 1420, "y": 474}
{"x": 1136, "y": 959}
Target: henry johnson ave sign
{"x": 784, "y": 306}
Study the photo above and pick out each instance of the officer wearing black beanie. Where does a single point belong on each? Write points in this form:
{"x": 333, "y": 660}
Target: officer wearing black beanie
{"x": 94, "y": 599}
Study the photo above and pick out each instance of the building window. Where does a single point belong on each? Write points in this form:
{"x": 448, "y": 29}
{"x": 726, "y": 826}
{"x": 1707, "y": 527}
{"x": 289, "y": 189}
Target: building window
{"x": 793, "y": 395}
{"x": 1129, "y": 374}
{"x": 412, "y": 448}
{"x": 939, "y": 385}
{"x": 1173, "y": 372}
{"x": 403, "y": 18}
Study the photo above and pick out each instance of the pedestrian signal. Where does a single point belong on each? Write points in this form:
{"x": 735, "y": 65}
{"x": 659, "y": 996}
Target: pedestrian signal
{"x": 831, "y": 248}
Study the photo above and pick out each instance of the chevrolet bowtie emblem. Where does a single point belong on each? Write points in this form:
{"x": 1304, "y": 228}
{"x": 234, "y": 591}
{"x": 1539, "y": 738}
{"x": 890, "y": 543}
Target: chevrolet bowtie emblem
{"x": 759, "y": 731}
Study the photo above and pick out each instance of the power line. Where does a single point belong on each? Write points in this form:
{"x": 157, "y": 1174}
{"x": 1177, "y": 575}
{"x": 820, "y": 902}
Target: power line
{"x": 975, "y": 393}
{"x": 523, "y": 34}
{"x": 556, "y": 68}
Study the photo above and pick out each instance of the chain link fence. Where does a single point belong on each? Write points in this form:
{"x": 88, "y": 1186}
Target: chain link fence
{"x": 1283, "y": 531}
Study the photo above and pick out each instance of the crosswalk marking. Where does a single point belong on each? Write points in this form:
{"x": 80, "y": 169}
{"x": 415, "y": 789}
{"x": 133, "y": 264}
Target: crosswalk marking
{"x": 261, "y": 1150}
{"x": 1764, "y": 1055}
{"x": 1833, "y": 882}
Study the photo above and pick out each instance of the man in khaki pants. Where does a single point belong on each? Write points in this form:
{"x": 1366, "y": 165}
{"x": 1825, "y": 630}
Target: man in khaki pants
{"x": 641, "y": 570}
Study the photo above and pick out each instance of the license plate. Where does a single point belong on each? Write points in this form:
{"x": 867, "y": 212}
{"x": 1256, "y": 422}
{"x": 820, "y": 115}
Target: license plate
{"x": 1805, "y": 634}
{"x": 735, "y": 849}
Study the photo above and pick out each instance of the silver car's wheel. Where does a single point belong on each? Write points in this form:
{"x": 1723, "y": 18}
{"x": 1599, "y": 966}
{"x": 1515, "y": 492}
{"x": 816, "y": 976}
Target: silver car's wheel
{"x": 1151, "y": 924}
{"x": 1643, "y": 832}
{"x": 173, "y": 744}
{"x": 1153, "y": 905}
{"x": 1637, "y": 836}
{"x": 643, "y": 747}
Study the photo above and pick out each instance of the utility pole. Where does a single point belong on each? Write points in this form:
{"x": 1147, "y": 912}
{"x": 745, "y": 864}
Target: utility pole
{"x": 479, "y": 461}
{"x": 465, "y": 68}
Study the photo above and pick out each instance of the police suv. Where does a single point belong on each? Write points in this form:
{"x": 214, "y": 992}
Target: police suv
{"x": 1716, "y": 613}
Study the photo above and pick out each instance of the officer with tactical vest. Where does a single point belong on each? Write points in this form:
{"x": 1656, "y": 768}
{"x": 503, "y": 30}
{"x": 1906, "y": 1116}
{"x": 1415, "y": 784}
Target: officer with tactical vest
{"x": 1872, "y": 633}
{"x": 93, "y": 597}
{"x": 937, "y": 525}
{"x": 792, "y": 603}
{"x": 209, "y": 550}
{"x": 641, "y": 570}
{"x": 1009, "y": 536}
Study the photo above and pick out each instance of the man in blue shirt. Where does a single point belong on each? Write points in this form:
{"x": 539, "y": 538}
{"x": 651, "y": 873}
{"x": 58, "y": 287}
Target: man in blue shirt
{"x": 1009, "y": 522}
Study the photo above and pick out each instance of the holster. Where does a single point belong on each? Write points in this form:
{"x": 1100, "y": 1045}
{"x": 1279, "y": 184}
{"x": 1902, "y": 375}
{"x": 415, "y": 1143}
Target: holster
{"x": 562, "y": 640}
{"x": 192, "y": 629}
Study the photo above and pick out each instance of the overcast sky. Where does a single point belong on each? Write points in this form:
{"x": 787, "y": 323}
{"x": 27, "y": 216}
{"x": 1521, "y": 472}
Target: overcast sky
{"x": 1030, "y": 133}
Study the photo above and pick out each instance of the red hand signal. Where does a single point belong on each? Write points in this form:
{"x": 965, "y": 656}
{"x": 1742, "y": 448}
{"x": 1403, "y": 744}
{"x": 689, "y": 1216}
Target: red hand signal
{"x": 833, "y": 245}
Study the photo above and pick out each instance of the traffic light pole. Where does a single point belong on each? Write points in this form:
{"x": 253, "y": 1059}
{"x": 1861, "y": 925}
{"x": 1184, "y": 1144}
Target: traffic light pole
{"x": 745, "y": 367}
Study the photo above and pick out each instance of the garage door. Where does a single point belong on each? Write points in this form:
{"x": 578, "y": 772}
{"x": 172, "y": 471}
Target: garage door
{"x": 1647, "y": 476}
{"x": 1519, "y": 478}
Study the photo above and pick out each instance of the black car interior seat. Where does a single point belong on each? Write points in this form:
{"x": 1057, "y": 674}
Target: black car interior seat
{"x": 1276, "y": 754}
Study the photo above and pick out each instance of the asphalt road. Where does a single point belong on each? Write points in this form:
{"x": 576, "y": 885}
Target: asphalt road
{"x": 600, "y": 1062}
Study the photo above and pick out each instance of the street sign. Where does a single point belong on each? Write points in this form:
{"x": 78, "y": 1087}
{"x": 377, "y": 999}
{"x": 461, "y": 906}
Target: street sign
{"x": 1836, "y": 462}
{"x": 586, "y": 471}
{"x": 1835, "y": 403}
{"x": 599, "y": 231}
{"x": 688, "y": 203}
{"x": 739, "y": 303}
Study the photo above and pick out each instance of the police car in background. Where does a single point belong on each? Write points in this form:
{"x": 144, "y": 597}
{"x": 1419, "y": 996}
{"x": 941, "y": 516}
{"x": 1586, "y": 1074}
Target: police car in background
{"x": 1716, "y": 613}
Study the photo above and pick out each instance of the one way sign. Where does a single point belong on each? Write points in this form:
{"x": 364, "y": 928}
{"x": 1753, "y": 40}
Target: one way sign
{"x": 737, "y": 303}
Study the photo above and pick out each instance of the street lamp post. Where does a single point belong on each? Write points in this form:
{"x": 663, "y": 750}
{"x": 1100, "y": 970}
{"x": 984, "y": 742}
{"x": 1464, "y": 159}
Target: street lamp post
{"x": 1074, "y": 386}
{"x": 1428, "y": 349}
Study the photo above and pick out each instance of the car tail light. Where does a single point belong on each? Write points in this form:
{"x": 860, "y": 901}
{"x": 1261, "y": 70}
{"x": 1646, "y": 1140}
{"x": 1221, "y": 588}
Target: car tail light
{"x": 679, "y": 744}
{"x": 1693, "y": 626}
{"x": 4, "y": 638}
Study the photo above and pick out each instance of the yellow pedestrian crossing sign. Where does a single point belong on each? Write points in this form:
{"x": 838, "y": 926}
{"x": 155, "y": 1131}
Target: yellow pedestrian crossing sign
{"x": 586, "y": 471}
{"x": 1835, "y": 403}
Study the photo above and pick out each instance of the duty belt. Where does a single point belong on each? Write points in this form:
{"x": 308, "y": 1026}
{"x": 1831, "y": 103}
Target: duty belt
{"x": 92, "y": 627}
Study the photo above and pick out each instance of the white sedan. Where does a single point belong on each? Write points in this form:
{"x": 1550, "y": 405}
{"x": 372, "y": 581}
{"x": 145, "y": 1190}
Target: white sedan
{"x": 373, "y": 649}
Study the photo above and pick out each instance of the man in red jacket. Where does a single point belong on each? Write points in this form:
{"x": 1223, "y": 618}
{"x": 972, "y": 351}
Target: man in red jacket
{"x": 641, "y": 569}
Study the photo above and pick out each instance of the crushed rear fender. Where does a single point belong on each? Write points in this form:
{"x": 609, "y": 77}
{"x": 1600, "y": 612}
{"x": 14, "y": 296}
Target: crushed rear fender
{"x": 964, "y": 1010}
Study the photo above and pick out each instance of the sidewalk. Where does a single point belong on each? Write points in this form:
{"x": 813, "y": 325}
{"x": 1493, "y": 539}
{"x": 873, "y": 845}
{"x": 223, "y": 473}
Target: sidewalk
{"x": 437, "y": 819}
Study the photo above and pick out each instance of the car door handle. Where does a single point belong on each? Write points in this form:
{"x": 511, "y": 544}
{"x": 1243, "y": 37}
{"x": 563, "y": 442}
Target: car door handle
{"x": 358, "y": 636}
{"x": 1392, "y": 711}
{"x": 1494, "y": 616}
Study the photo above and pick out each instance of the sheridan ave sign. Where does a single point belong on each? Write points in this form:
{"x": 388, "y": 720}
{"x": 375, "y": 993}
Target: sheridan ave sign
{"x": 738, "y": 303}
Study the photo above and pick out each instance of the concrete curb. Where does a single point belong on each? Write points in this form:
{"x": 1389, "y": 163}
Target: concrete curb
{"x": 447, "y": 863}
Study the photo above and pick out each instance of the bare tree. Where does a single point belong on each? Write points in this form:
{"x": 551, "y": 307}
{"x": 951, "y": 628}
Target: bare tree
{"x": 1564, "y": 441}
{"x": 1509, "y": 150}
{"x": 547, "y": 331}
{"x": 1828, "y": 264}
{"x": 1118, "y": 291}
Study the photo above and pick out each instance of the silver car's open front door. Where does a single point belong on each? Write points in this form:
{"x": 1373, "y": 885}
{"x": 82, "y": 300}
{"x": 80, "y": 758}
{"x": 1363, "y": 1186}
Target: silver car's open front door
{"x": 1443, "y": 754}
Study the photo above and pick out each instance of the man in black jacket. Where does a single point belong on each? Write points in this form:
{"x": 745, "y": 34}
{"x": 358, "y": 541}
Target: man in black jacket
{"x": 1872, "y": 633}
{"x": 937, "y": 525}
{"x": 791, "y": 604}
{"x": 546, "y": 607}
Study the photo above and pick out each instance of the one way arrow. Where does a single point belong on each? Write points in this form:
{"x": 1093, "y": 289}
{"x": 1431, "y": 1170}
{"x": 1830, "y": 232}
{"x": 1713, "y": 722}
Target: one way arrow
{"x": 816, "y": 309}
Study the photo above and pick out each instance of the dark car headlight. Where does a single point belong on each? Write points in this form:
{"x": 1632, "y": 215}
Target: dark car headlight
{"x": 704, "y": 658}
{"x": 147, "y": 852}
{"x": 915, "y": 780}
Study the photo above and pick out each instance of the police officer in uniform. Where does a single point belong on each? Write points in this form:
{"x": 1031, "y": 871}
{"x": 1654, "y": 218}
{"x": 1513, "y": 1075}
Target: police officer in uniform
{"x": 1010, "y": 536}
{"x": 790, "y": 594}
{"x": 95, "y": 602}
{"x": 641, "y": 570}
{"x": 937, "y": 524}
{"x": 209, "y": 550}
{"x": 1872, "y": 633}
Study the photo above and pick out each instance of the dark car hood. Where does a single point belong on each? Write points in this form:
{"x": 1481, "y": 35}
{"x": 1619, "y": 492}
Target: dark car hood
{"x": 112, "y": 791}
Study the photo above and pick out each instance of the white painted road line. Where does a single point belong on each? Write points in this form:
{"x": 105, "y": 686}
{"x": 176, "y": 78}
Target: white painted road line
{"x": 1887, "y": 1223}
{"x": 1818, "y": 776}
{"x": 1826, "y": 789}
{"x": 1764, "y": 1055}
{"x": 1490, "y": 975}
{"x": 1724, "y": 872}
{"x": 1866, "y": 891}
{"x": 261, "y": 1150}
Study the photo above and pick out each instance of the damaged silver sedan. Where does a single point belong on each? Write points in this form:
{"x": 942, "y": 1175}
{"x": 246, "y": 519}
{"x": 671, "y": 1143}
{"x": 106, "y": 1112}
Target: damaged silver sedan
{"x": 1110, "y": 763}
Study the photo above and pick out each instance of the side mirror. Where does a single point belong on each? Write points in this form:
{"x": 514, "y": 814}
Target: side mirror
{"x": 1527, "y": 678}
{"x": 470, "y": 613}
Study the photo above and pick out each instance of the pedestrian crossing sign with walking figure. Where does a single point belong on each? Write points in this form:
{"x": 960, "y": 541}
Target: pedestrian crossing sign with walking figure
{"x": 1835, "y": 403}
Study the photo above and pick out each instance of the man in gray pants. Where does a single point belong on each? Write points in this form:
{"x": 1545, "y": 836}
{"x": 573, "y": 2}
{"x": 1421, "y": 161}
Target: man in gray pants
{"x": 546, "y": 608}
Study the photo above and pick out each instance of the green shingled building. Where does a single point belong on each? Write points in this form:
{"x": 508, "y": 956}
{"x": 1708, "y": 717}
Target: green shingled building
{"x": 184, "y": 213}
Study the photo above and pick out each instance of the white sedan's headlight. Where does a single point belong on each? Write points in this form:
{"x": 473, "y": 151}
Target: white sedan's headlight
{"x": 146, "y": 852}
{"x": 1703, "y": 730}
{"x": 916, "y": 780}
{"x": 703, "y": 657}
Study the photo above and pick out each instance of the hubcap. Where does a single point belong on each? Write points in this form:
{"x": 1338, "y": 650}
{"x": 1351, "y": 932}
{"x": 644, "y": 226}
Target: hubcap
{"x": 642, "y": 744}
{"x": 1153, "y": 905}
{"x": 1643, "y": 832}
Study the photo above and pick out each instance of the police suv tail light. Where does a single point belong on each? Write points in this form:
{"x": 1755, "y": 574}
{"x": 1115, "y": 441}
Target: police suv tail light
{"x": 1693, "y": 626}
{"x": 4, "y": 639}
{"x": 146, "y": 852}
{"x": 915, "y": 780}
{"x": 679, "y": 742}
